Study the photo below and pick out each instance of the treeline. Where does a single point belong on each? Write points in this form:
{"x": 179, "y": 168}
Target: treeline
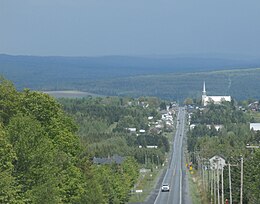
{"x": 182, "y": 85}
{"x": 230, "y": 142}
{"x": 42, "y": 159}
{"x": 177, "y": 78}
{"x": 105, "y": 123}
{"x": 59, "y": 73}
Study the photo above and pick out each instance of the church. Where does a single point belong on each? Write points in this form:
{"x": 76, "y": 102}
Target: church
{"x": 212, "y": 99}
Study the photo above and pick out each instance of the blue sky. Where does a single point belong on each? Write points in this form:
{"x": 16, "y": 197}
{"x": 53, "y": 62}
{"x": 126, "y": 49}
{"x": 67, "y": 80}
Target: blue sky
{"x": 129, "y": 27}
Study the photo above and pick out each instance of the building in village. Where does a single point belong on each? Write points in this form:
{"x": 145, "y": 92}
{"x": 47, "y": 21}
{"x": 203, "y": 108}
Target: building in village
{"x": 213, "y": 99}
{"x": 255, "y": 126}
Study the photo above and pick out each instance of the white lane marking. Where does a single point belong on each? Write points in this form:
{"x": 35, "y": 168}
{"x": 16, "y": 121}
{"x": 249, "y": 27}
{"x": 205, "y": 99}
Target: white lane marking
{"x": 182, "y": 130}
{"x": 180, "y": 186}
{"x": 157, "y": 196}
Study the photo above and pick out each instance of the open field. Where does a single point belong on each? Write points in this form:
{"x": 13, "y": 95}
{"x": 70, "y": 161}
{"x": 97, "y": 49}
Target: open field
{"x": 69, "y": 94}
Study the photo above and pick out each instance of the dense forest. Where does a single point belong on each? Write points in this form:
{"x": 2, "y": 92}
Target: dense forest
{"x": 179, "y": 86}
{"x": 230, "y": 142}
{"x": 48, "y": 148}
{"x": 164, "y": 77}
{"x": 42, "y": 158}
{"x": 104, "y": 126}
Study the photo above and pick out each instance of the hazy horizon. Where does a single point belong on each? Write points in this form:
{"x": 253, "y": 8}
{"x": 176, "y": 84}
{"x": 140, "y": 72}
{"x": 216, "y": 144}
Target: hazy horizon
{"x": 130, "y": 28}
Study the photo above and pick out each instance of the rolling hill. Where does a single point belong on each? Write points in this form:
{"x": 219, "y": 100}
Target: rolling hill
{"x": 167, "y": 77}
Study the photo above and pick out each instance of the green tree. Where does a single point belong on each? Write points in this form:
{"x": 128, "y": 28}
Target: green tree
{"x": 9, "y": 100}
{"x": 188, "y": 101}
{"x": 34, "y": 167}
{"x": 252, "y": 178}
{"x": 8, "y": 187}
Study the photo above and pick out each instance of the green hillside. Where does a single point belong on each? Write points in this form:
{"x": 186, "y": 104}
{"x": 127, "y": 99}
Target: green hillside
{"x": 164, "y": 77}
{"x": 240, "y": 84}
{"x": 169, "y": 77}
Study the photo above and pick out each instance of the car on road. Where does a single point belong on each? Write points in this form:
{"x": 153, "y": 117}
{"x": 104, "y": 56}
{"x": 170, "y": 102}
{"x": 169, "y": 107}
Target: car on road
{"x": 165, "y": 188}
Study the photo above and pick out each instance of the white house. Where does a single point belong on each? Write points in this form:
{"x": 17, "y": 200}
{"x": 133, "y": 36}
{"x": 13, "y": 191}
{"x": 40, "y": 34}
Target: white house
{"x": 217, "y": 162}
{"x": 152, "y": 146}
{"x": 150, "y": 117}
{"x": 255, "y": 126}
{"x": 131, "y": 129}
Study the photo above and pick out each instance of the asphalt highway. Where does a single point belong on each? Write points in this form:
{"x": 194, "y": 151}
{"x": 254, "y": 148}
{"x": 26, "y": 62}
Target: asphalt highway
{"x": 176, "y": 168}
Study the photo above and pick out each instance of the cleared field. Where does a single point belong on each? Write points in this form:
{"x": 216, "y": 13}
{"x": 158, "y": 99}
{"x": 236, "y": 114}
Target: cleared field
{"x": 70, "y": 94}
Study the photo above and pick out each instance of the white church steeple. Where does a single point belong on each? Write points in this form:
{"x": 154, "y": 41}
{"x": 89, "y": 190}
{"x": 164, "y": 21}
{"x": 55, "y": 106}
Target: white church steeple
{"x": 205, "y": 100}
{"x": 204, "y": 89}
{"x": 204, "y": 95}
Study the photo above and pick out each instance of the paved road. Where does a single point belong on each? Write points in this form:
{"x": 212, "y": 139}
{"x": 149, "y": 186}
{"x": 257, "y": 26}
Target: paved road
{"x": 176, "y": 174}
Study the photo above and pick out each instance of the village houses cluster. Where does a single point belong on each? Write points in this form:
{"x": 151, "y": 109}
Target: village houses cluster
{"x": 156, "y": 127}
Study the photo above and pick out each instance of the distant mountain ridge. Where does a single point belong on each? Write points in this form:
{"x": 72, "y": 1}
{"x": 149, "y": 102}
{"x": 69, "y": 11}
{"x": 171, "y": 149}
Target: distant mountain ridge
{"x": 91, "y": 73}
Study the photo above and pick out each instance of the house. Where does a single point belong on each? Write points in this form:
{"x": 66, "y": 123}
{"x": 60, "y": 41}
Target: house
{"x": 150, "y": 117}
{"x": 254, "y": 106}
{"x": 152, "y": 146}
{"x": 255, "y": 126}
{"x": 131, "y": 129}
{"x": 217, "y": 162}
{"x": 217, "y": 127}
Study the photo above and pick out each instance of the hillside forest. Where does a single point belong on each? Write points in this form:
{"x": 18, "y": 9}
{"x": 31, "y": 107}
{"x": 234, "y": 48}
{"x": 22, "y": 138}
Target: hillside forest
{"x": 49, "y": 149}
{"x": 164, "y": 77}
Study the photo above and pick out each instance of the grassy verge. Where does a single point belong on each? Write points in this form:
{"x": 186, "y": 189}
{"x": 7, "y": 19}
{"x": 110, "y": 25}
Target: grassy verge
{"x": 147, "y": 180}
{"x": 146, "y": 183}
{"x": 194, "y": 192}
{"x": 198, "y": 195}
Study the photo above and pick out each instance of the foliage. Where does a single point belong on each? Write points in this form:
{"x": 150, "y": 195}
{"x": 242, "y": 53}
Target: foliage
{"x": 104, "y": 122}
{"x": 40, "y": 153}
{"x": 117, "y": 180}
{"x": 229, "y": 142}
{"x": 46, "y": 158}
{"x": 8, "y": 187}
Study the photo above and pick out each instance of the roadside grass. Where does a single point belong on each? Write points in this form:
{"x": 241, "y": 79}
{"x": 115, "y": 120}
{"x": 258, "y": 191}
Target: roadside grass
{"x": 194, "y": 192}
{"x": 146, "y": 183}
{"x": 198, "y": 195}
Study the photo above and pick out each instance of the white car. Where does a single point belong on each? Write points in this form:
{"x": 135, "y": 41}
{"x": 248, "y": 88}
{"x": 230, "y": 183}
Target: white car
{"x": 165, "y": 187}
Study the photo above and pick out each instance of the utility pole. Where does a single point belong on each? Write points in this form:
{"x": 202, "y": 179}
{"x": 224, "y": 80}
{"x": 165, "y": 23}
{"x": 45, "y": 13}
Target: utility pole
{"x": 208, "y": 182}
{"x": 211, "y": 185}
{"x": 218, "y": 181}
{"x": 203, "y": 181}
{"x": 215, "y": 185}
{"x": 222, "y": 183}
{"x": 241, "y": 189}
{"x": 229, "y": 178}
